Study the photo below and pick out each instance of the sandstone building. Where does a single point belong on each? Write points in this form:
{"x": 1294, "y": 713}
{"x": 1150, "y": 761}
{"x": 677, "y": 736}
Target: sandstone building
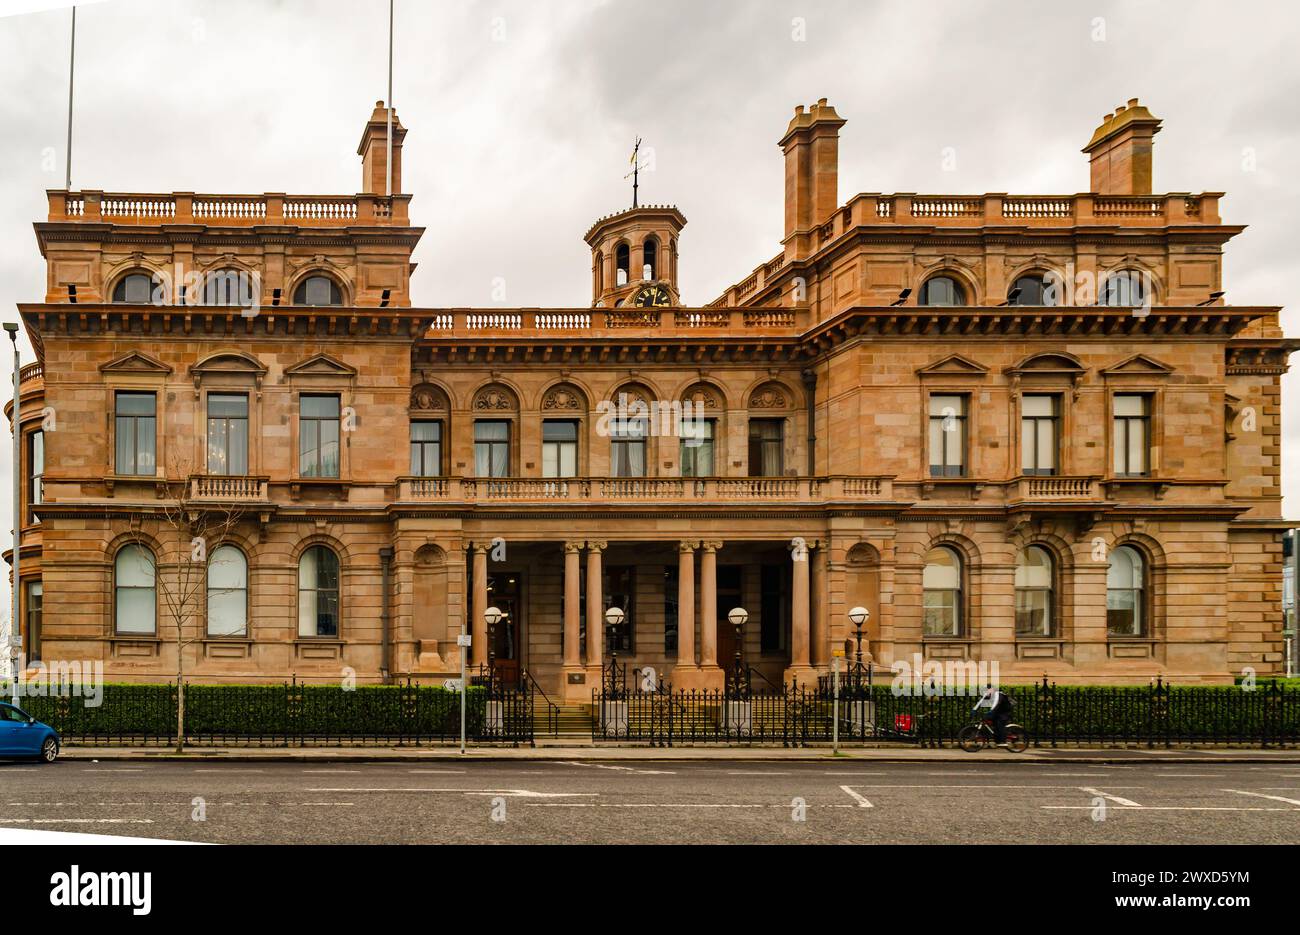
{"x": 1017, "y": 428}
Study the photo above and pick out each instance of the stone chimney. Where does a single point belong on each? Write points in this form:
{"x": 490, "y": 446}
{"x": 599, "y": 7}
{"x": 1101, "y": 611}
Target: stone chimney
{"x": 812, "y": 152}
{"x": 1120, "y": 151}
{"x": 373, "y": 151}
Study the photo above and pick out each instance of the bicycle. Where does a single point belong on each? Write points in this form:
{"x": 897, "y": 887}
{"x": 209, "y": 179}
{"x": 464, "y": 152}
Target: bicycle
{"x": 975, "y": 737}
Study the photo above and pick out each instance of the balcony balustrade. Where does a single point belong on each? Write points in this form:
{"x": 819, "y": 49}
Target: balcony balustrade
{"x": 687, "y": 490}
{"x": 221, "y": 488}
{"x": 275, "y": 209}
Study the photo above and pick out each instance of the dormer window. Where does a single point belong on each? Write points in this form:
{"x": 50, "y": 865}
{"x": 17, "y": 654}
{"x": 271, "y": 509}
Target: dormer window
{"x": 134, "y": 289}
{"x": 942, "y": 290}
{"x": 318, "y": 290}
{"x": 1035, "y": 289}
{"x": 1126, "y": 287}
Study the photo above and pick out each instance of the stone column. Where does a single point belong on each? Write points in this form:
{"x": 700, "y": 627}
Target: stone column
{"x": 799, "y": 667}
{"x": 595, "y": 610}
{"x": 572, "y": 605}
{"x": 820, "y": 650}
{"x": 478, "y": 625}
{"x": 709, "y": 604}
{"x": 686, "y": 605}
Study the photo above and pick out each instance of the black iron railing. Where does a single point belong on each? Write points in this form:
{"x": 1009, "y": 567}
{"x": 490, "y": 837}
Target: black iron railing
{"x": 872, "y": 710}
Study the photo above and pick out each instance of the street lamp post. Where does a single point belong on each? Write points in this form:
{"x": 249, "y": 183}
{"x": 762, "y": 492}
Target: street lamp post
{"x": 15, "y": 629}
{"x": 492, "y": 616}
{"x": 613, "y": 620}
{"x": 858, "y": 616}
{"x": 737, "y": 617}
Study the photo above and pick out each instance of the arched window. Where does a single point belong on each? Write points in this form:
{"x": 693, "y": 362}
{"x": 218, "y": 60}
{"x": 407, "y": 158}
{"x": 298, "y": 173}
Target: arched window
{"x": 135, "y": 603}
{"x": 941, "y": 582}
{"x": 134, "y": 289}
{"x": 1034, "y": 593}
{"x": 230, "y": 287}
{"x": 318, "y": 290}
{"x": 1125, "y": 287}
{"x": 650, "y": 259}
{"x": 622, "y": 265}
{"x": 318, "y": 592}
{"x": 1036, "y": 289}
{"x": 227, "y": 592}
{"x": 942, "y": 290}
{"x": 1126, "y": 593}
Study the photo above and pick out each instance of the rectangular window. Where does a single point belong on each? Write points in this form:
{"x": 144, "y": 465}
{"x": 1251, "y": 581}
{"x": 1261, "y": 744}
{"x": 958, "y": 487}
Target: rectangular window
{"x": 32, "y": 641}
{"x": 1039, "y": 421}
{"x": 1132, "y": 435}
{"x": 696, "y": 449}
{"x": 35, "y": 472}
{"x": 426, "y": 449}
{"x": 947, "y": 436}
{"x": 620, "y": 591}
{"x": 774, "y": 605}
{"x": 227, "y": 433}
{"x": 627, "y": 447}
{"x": 559, "y": 448}
{"x": 492, "y": 448}
{"x": 318, "y": 436}
{"x": 136, "y": 433}
{"x": 766, "y": 447}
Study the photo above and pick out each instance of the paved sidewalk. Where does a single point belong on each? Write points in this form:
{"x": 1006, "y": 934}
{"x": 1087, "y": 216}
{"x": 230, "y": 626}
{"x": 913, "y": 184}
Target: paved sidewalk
{"x": 545, "y": 752}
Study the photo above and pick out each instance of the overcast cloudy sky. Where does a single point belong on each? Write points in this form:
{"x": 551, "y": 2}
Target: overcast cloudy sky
{"x": 521, "y": 116}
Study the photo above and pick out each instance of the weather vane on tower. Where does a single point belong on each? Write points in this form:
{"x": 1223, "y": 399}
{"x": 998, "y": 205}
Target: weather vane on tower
{"x": 636, "y": 170}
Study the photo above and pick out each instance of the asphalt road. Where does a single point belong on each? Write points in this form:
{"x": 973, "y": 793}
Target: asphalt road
{"x": 658, "y": 802}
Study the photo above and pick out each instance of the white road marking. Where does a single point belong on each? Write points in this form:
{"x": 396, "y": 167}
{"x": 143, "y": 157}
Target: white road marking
{"x": 123, "y": 769}
{"x": 1118, "y": 800}
{"x": 228, "y": 770}
{"x": 1275, "y": 798}
{"x": 432, "y": 771}
{"x": 517, "y": 793}
{"x": 855, "y": 774}
{"x": 628, "y": 769}
{"x": 862, "y": 803}
{"x": 669, "y": 805}
{"x": 743, "y": 772}
{"x": 77, "y": 821}
{"x": 1170, "y": 808}
{"x": 331, "y": 772}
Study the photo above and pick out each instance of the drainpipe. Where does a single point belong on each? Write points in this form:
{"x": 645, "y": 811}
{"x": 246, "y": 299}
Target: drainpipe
{"x": 810, "y": 395}
{"x": 385, "y": 563}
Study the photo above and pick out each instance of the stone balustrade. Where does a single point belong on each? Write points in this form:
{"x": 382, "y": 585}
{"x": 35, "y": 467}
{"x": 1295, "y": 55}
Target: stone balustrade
{"x": 271, "y": 209}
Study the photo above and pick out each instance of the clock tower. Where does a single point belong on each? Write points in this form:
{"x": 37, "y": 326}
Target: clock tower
{"x": 634, "y": 257}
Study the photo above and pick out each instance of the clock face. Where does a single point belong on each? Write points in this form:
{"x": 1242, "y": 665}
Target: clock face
{"x": 656, "y": 296}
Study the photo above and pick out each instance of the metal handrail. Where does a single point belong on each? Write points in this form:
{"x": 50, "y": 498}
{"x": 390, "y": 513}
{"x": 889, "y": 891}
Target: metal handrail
{"x": 552, "y": 709}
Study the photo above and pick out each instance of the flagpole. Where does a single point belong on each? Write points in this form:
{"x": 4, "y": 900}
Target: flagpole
{"x": 388, "y": 171}
{"x": 72, "y": 58}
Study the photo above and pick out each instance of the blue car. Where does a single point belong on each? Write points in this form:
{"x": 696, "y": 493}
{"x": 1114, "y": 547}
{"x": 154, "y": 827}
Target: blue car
{"x": 23, "y": 735}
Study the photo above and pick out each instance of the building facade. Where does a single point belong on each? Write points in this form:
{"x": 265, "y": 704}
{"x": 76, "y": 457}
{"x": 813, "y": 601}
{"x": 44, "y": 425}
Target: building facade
{"x": 1022, "y": 429}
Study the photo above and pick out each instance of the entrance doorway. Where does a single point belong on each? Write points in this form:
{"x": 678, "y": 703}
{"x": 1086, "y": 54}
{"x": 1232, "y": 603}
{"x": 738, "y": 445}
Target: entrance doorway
{"x": 506, "y": 594}
{"x": 729, "y": 597}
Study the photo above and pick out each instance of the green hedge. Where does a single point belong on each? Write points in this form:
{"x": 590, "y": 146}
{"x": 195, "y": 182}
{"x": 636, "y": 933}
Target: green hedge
{"x": 217, "y": 713}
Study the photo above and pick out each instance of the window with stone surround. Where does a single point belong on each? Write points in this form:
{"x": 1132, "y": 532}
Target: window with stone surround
{"x": 318, "y": 593}
{"x": 947, "y": 435}
{"x": 941, "y": 582}
{"x": 1131, "y": 439}
{"x": 1035, "y": 575}
{"x": 559, "y": 448}
{"x": 135, "y": 289}
{"x": 426, "y": 448}
{"x": 35, "y": 472}
{"x": 696, "y": 447}
{"x": 1036, "y": 290}
{"x": 227, "y": 592}
{"x": 135, "y": 596}
{"x": 1040, "y": 422}
{"x": 135, "y": 433}
{"x": 492, "y": 448}
{"x": 318, "y": 435}
{"x": 227, "y": 433}
{"x": 766, "y": 447}
{"x": 1126, "y": 587}
{"x": 943, "y": 291}
{"x": 318, "y": 290}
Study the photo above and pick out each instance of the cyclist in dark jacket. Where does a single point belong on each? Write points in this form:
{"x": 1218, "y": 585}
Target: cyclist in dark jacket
{"x": 997, "y": 705}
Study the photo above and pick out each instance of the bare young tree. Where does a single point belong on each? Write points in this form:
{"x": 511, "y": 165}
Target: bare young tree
{"x": 192, "y": 516}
